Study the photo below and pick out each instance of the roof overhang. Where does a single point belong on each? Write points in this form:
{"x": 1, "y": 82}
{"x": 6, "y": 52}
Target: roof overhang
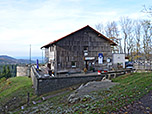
{"x": 99, "y": 34}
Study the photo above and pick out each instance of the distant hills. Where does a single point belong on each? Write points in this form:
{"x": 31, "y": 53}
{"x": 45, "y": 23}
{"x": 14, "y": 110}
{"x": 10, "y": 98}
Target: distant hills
{"x": 4, "y": 59}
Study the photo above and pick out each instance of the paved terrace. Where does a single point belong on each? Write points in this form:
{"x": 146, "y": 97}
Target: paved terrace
{"x": 43, "y": 72}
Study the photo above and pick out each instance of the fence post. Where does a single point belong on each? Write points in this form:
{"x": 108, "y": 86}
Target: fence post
{"x": 115, "y": 74}
{"x": 28, "y": 98}
{"x": 150, "y": 65}
{"x": 144, "y": 65}
{"x": 109, "y": 76}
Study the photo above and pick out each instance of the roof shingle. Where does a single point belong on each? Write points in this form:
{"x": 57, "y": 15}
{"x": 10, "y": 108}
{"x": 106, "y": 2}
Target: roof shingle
{"x": 51, "y": 43}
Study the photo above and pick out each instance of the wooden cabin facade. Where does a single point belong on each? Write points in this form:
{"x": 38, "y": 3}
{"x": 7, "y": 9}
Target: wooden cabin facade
{"x": 79, "y": 50}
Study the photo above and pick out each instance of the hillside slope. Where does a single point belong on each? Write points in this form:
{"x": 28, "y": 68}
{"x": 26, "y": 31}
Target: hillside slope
{"x": 4, "y": 59}
{"x": 13, "y": 92}
{"x": 131, "y": 88}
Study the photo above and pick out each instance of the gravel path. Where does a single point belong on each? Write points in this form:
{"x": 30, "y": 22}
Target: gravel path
{"x": 94, "y": 86}
{"x": 85, "y": 90}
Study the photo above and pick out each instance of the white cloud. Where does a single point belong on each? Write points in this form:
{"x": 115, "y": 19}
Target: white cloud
{"x": 40, "y": 22}
{"x": 138, "y": 16}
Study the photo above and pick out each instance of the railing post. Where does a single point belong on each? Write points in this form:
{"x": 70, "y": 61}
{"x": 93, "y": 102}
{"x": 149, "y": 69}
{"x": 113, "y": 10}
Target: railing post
{"x": 115, "y": 74}
{"x": 109, "y": 76}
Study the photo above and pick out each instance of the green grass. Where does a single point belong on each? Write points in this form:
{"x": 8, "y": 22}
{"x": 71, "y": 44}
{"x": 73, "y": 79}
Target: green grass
{"x": 13, "y": 91}
{"x": 131, "y": 87}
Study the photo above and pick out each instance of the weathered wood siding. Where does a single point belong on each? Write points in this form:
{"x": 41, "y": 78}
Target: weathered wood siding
{"x": 47, "y": 52}
{"x": 71, "y": 48}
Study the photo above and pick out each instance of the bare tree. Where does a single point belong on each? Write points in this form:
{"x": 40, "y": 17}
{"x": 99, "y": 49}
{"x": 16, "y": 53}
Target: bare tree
{"x": 147, "y": 10}
{"x": 147, "y": 38}
{"x": 100, "y": 28}
{"x": 137, "y": 36}
{"x": 130, "y": 46}
{"x": 126, "y": 28}
{"x": 112, "y": 32}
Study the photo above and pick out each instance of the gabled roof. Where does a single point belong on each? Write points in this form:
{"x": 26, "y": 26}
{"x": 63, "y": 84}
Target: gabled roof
{"x": 99, "y": 34}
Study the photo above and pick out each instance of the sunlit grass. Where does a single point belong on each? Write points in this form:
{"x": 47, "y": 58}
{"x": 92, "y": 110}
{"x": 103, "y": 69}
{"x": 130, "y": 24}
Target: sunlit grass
{"x": 131, "y": 87}
{"x": 15, "y": 88}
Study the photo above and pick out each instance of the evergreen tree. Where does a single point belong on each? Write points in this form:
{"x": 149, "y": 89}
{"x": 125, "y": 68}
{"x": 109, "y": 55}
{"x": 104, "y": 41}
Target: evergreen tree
{"x": 8, "y": 73}
{"x": 4, "y": 71}
{"x": 0, "y": 73}
{"x": 15, "y": 69}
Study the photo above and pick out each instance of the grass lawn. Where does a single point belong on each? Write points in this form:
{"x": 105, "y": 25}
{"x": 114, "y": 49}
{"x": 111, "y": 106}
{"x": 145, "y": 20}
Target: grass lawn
{"x": 131, "y": 87}
{"x": 13, "y": 91}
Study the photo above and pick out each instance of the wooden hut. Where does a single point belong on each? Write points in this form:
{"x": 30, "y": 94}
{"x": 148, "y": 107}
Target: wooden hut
{"x": 78, "y": 50}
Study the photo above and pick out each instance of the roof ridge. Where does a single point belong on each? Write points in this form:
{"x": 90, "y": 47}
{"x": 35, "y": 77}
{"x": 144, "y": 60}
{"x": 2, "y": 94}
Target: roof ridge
{"x": 75, "y": 32}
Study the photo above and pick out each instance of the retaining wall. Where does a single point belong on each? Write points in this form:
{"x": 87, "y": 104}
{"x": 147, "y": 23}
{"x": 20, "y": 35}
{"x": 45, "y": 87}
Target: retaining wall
{"x": 35, "y": 79}
{"x": 45, "y": 85}
{"x": 52, "y": 84}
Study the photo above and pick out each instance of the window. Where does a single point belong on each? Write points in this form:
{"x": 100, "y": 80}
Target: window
{"x": 73, "y": 64}
{"x": 85, "y": 48}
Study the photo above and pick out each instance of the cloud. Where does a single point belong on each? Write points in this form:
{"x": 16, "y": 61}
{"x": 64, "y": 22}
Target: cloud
{"x": 39, "y": 22}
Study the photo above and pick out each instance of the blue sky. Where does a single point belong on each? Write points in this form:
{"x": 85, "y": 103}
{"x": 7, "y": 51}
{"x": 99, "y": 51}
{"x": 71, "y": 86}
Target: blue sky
{"x": 38, "y": 22}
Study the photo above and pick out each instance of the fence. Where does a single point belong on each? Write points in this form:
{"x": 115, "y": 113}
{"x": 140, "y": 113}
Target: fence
{"x": 143, "y": 64}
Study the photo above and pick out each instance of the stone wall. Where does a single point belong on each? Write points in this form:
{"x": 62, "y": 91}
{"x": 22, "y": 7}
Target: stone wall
{"x": 22, "y": 70}
{"x": 35, "y": 79}
{"x": 46, "y": 85}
